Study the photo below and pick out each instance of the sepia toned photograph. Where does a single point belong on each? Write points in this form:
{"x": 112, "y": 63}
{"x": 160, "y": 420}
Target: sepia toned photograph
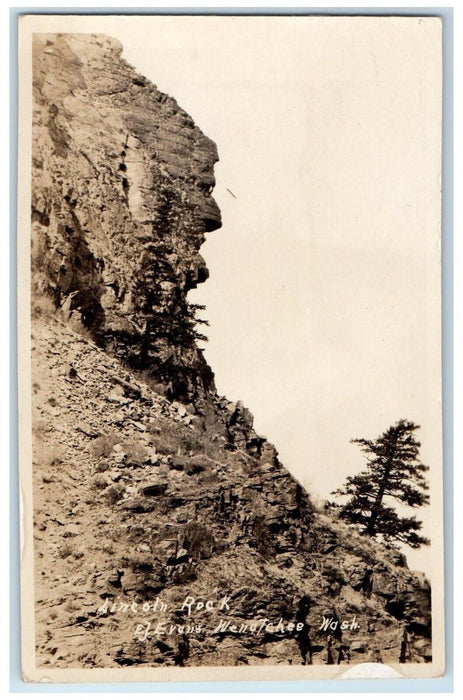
{"x": 230, "y": 348}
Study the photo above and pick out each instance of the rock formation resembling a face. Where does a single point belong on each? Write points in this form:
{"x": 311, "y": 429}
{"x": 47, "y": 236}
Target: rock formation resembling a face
{"x": 122, "y": 183}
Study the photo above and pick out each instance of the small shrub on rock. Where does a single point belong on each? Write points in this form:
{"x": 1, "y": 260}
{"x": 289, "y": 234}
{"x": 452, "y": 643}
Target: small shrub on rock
{"x": 103, "y": 445}
{"x": 136, "y": 454}
{"x": 102, "y": 466}
{"x": 99, "y": 483}
{"x": 199, "y": 540}
{"x": 114, "y": 493}
{"x": 65, "y": 551}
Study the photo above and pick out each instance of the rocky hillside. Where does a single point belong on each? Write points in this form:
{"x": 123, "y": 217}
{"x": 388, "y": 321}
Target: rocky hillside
{"x": 167, "y": 532}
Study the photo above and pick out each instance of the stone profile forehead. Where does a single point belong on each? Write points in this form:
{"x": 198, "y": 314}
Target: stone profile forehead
{"x": 157, "y": 142}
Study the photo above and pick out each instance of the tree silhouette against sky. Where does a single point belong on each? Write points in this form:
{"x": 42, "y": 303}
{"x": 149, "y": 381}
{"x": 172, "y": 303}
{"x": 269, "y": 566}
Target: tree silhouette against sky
{"x": 393, "y": 472}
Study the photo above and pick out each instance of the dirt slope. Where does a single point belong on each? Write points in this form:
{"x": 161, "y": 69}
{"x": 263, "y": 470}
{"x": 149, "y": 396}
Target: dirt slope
{"x": 134, "y": 502}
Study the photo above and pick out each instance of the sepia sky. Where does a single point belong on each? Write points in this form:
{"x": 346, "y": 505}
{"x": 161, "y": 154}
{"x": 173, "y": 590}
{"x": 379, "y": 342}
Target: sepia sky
{"x": 324, "y": 294}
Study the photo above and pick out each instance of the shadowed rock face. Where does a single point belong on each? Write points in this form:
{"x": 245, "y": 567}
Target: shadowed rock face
{"x": 122, "y": 182}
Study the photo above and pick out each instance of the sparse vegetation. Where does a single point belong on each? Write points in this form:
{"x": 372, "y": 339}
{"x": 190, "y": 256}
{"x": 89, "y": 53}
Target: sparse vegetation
{"x": 99, "y": 483}
{"x": 102, "y": 446}
{"x": 114, "y": 493}
{"x": 42, "y": 305}
{"x": 65, "y": 551}
{"x": 72, "y": 605}
{"x": 199, "y": 540}
{"x": 52, "y": 455}
{"x": 142, "y": 565}
{"x": 136, "y": 454}
{"x": 103, "y": 466}
{"x": 171, "y": 438}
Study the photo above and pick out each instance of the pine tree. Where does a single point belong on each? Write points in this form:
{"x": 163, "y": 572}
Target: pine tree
{"x": 393, "y": 473}
{"x": 160, "y": 313}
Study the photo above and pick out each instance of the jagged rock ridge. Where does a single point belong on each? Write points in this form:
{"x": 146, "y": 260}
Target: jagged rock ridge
{"x": 146, "y": 483}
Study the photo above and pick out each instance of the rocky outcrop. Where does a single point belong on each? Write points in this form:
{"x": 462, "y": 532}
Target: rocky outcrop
{"x": 149, "y": 488}
{"x": 122, "y": 182}
{"x": 132, "y": 502}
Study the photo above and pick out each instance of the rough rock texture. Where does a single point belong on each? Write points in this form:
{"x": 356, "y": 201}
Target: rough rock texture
{"x": 121, "y": 180}
{"x": 148, "y": 487}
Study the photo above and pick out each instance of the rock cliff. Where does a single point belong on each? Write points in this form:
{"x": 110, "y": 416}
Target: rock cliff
{"x": 150, "y": 490}
{"x": 122, "y": 182}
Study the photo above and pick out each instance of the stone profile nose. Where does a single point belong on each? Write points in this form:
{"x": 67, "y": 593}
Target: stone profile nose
{"x": 212, "y": 217}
